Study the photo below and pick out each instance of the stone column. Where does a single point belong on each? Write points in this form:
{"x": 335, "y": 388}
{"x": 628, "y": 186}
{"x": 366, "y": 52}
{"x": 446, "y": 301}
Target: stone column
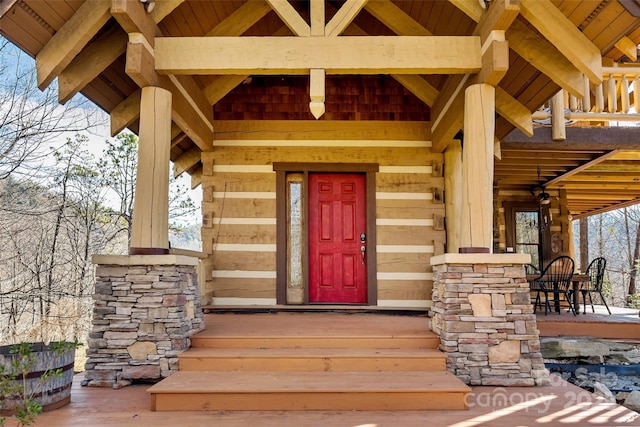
{"x": 483, "y": 314}
{"x": 146, "y": 309}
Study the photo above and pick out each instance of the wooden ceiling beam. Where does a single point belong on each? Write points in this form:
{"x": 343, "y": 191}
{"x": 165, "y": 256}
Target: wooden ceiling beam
{"x": 448, "y": 109}
{"x": 513, "y": 111}
{"x": 133, "y": 18}
{"x": 323, "y": 129}
{"x": 403, "y": 25}
{"x": 164, "y": 8}
{"x": 290, "y": 17}
{"x": 578, "y": 139}
{"x": 241, "y": 19}
{"x": 186, "y": 161}
{"x": 125, "y": 113}
{"x": 140, "y": 63}
{"x": 535, "y": 49}
{"x": 615, "y": 206}
{"x": 545, "y": 57}
{"x": 221, "y": 86}
{"x": 89, "y": 63}
{"x": 471, "y": 8}
{"x": 594, "y": 195}
{"x": 615, "y": 166}
{"x": 69, "y": 40}
{"x": 449, "y": 120}
{"x": 316, "y": 18}
{"x": 395, "y": 18}
{"x": 628, "y": 48}
{"x": 499, "y": 17}
{"x": 565, "y": 36}
{"x": 417, "y": 85}
{"x": 343, "y": 18}
{"x": 392, "y": 16}
{"x": 581, "y": 168}
{"x": 190, "y": 110}
{"x": 187, "y": 112}
{"x": 234, "y": 25}
{"x": 343, "y": 55}
{"x": 196, "y": 178}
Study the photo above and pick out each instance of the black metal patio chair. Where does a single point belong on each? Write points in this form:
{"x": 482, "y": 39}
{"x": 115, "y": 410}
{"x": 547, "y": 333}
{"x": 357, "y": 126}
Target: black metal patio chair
{"x": 555, "y": 279}
{"x": 595, "y": 271}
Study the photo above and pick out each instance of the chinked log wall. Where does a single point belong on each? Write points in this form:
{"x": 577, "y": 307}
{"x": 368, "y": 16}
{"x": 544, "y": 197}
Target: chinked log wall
{"x": 239, "y": 211}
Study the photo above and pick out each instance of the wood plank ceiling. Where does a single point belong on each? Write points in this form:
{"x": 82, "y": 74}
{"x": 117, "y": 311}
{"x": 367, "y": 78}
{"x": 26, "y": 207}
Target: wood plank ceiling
{"x": 537, "y": 68}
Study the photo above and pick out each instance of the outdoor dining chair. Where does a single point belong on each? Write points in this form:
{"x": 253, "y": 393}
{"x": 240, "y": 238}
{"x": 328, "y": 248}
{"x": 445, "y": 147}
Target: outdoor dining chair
{"x": 595, "y": 271}
{"x": 555, "y": 279}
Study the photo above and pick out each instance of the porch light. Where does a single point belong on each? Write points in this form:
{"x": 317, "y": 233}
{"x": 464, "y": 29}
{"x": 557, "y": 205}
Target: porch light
{"x": 148, "y": 5}
{"x": 544, "y": 198}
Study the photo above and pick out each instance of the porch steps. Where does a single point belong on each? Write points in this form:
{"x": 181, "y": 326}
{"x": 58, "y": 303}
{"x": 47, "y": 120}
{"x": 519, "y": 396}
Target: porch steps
{"x": 299, "y": 370}
{"x": 310, "y": 391}
{"x": 312, "y": 359}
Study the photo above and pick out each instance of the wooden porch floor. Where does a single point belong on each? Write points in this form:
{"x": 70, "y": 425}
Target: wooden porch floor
{"x": 558, "y": 404}
{"x": 623, "y": 323}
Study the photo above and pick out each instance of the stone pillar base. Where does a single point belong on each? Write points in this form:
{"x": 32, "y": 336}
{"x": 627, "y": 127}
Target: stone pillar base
{"x": 483, "y": 314}
{"x": 146, "y": 309}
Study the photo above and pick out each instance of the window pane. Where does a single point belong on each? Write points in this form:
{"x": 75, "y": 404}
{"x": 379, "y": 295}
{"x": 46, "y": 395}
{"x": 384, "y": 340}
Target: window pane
{"x": 528, "y": 235}
{"x": 295, "y": 234}
{"x": 527, "y": 227}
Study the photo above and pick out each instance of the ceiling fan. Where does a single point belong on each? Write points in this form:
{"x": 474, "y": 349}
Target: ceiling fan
{"x": 544, "y": 198}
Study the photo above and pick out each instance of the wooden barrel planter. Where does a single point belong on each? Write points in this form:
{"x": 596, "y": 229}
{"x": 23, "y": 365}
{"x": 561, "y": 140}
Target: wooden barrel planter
{"x": 53, "y": 392}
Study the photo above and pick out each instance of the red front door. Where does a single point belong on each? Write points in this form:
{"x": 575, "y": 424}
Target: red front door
{"x": 337, "y": 223}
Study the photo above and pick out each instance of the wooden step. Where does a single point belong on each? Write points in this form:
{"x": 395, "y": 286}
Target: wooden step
{"x": 311, "y": 359}
{"x": 297, "y": 391}
{"x": 427, "y": 340}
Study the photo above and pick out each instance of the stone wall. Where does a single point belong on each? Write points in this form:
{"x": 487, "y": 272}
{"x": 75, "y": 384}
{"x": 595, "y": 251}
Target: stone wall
{"x": 483, "y": 314}
{"x": 145, "y": 310}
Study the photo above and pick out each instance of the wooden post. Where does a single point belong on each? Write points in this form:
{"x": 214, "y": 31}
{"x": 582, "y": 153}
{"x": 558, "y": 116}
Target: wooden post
{"x": 586, "y": 98}
{"x": 453, "y": 193}
{"x": 476, "y": 216}
{"x": 584, "y": 243}
{"x": 150, "y": 231}
{"x": 558, "y": 130}
{"x": 612, "y": 97}
{"x": 624, "y": 94}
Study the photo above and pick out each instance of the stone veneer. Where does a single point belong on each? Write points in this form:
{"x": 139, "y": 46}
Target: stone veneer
{"x": 146, "y": 307}
{"x": 483, "y": 314}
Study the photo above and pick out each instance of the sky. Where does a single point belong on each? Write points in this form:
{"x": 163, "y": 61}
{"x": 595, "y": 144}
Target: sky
{"x": 18, "y": 62}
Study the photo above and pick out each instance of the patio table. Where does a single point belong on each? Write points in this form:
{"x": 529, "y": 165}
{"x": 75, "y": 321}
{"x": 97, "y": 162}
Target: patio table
{"x": 577, "y": 281}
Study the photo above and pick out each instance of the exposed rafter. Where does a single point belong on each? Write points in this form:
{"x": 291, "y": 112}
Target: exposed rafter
{"x": 545, "y": 57}
{"x": 448, "y": 109}
{"x": 565, "y": 37}
{"x": 125, "y": 113}
{"x": 90, "y": 63}
{"x": 582, "y": 167}
{"x": 343, "y": 18}
{"x": 234, "y": 25}
{"x": 69, "y": 40}
{"x": 290, "y": 17}
{"x": 190, "y": 110}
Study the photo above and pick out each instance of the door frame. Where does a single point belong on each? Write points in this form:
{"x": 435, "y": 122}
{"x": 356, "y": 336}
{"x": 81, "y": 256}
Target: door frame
{"x": 282, "y": 169}
{"x": 544, "y": 234}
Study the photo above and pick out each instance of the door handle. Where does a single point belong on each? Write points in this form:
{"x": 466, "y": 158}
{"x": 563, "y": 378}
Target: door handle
{"x": 363, "y": 249}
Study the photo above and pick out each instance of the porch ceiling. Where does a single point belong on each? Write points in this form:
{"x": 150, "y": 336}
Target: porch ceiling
{"x": 541, "y": 60}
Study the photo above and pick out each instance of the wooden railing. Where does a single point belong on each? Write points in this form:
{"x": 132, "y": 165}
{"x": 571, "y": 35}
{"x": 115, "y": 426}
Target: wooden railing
{"x": 616, "y": 99}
